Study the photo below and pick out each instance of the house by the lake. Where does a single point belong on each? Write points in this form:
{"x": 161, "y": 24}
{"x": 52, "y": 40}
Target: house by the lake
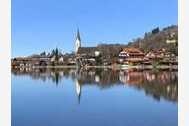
{"x": 131, "y": 56}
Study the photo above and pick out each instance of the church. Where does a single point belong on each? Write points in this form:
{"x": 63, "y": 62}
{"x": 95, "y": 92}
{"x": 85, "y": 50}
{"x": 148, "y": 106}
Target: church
{"x": 102, "y": 54}
{"x": 85, "y": 55}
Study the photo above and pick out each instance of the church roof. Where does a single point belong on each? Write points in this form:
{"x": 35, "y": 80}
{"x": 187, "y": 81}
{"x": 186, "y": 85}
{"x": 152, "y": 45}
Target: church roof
{"x": 78, "y": 35}
{"x": 87, "y": 50}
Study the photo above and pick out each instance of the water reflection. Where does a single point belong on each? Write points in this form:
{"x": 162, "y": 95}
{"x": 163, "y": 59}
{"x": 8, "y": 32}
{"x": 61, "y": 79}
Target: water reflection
{"x": 157, "y": 84}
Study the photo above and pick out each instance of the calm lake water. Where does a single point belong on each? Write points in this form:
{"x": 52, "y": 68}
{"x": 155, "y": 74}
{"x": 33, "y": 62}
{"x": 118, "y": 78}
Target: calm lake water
{"x": 94, "y": 97}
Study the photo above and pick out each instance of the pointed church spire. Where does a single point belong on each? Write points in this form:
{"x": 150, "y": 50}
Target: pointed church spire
{"x": 78, "y": 41}
{"x": 78, "y": 35}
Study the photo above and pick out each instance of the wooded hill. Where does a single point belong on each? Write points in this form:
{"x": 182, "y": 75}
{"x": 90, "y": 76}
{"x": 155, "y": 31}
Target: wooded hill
{"x": 157, "y": 39}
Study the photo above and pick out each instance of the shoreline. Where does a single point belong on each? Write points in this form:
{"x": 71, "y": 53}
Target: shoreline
{"x": 122, "y": 67}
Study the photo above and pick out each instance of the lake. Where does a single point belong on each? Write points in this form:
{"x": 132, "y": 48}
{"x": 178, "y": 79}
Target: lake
{"x": 94, "y": 97}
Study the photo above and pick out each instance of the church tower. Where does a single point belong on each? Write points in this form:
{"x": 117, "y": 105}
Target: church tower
{"x": 78, "y": 41}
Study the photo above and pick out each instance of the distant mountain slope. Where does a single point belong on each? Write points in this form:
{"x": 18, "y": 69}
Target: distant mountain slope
{"x": 166, "y": 38}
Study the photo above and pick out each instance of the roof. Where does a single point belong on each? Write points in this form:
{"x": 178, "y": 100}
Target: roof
{"x": 132, "y": 50}
{"x": 38, "y": 56}
{"x": 78, "y": 35}
{"x": 87, "y": 50}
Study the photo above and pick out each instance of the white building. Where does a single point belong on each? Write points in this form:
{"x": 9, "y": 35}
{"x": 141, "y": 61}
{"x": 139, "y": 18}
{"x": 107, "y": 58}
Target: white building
{"x": 78, "y": 41}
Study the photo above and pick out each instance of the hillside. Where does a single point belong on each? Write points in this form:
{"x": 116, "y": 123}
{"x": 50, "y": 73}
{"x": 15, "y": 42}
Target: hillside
{"x": 166, "y": 38}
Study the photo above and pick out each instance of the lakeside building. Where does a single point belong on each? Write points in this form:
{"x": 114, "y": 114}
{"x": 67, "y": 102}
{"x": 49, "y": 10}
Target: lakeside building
{"x": 29, "y": 61}
{"x": 36, "y": 60}
{"x": 131, "y": 56}
{"x": 157, "y": 54}
{"x": 164, "y": 56}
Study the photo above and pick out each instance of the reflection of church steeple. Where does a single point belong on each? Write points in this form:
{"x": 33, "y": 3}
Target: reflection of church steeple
{"x": 78, "y": 90}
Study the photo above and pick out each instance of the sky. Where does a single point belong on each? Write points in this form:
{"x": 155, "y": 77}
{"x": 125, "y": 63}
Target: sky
{"x": 42, "y": 25}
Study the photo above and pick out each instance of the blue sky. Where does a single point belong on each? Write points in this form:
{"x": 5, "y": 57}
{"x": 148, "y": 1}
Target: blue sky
{"x": 41, "y": 25}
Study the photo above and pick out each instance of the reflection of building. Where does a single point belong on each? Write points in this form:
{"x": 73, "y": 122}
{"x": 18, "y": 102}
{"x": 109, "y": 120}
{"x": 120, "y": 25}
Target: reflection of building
{"x": 131, "y": 77}
{"x": 78, "y": 89}
{"x": 158, "y": 84}
{"x": 97, "y": 78}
